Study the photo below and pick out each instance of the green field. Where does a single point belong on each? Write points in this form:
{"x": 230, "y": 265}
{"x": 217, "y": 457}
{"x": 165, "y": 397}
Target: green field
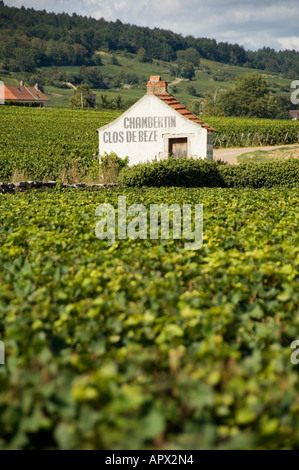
{"x": 142, "y": 344}
{"x": 45, "y": 143}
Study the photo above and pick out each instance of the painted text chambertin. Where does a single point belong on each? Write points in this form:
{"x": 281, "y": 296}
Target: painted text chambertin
{"x": 157, "y": 126}
{"x": 145, "y": 132}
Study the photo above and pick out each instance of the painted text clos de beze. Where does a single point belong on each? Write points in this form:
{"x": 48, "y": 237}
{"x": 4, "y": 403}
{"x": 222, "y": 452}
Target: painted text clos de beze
{"x": 146, "y": 129}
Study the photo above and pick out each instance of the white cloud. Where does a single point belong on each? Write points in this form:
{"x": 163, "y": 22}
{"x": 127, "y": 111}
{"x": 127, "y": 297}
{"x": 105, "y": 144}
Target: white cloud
{"x": 254, "y": 23}
{"x": 289, "y": 43}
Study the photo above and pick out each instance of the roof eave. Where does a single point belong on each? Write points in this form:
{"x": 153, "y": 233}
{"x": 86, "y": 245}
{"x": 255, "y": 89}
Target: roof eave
{"x": 178, "y": 103}
{"x": 160, "y": 96}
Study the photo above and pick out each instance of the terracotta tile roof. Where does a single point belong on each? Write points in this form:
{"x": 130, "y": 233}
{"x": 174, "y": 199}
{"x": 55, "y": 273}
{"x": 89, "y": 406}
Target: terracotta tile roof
{"x": 37, "y": 94}
{"x": 180, "y": 108}
{"x": 23, "y": 93}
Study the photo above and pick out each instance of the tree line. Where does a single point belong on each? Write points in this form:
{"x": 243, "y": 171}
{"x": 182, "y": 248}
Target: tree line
{"x": 30, "y": 39}
{"x": 250, "y": 97}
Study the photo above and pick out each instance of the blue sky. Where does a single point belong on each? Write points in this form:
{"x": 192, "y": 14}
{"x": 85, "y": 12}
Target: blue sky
{"x": 254, "y": 23}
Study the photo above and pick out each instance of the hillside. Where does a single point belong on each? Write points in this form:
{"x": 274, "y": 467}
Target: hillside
{"x": 129, "y": 77}
{"x": 116, "y": 60}
{"x": 32, "y": 38}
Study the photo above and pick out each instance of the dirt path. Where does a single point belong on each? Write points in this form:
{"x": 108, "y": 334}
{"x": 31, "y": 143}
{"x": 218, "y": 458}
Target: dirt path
{"x": 176, "y": 81}
{"x": 230, "y": 155}
{"x": 71, "y": 85}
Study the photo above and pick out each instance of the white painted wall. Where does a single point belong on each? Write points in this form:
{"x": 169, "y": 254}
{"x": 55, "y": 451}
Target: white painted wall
{"x": 146, "y": 139}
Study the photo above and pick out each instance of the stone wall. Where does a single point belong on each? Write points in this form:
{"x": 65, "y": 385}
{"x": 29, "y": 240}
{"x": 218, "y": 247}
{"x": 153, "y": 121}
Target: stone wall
{"x": 13, "y": 188}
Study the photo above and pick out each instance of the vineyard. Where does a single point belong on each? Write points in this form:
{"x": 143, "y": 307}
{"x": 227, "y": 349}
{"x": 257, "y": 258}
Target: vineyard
{"x": 241, "y": 132}
{"x": 141, "y": 344}
{"x": 46, "y": 144}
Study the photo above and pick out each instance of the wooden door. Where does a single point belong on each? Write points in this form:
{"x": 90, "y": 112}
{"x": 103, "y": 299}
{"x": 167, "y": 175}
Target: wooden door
{"x": 178, "y": 147}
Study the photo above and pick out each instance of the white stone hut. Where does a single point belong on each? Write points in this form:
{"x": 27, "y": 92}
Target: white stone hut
{"x": 156, "y": 126}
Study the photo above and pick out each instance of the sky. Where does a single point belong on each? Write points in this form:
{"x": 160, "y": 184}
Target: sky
{"x": 253, "y": 24}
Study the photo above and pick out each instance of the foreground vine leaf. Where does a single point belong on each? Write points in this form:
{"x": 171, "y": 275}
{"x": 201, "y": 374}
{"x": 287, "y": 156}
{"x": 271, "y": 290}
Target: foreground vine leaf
{"x": 148, "y": 343}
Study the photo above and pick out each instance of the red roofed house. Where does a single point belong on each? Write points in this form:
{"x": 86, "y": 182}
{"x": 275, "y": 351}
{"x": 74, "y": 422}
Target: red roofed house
{"x": 157, "y": 126}
{"x": 22, "y": 94}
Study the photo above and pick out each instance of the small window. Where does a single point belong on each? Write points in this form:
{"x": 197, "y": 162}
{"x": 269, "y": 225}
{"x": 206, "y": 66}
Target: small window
{"x": 20, "y": 90}
{"x": 37, "y": 95}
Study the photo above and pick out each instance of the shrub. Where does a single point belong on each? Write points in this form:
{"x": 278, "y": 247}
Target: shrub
{"x": 111, "y": 165}
{"x": 201, "y": 173}
{"x": 268, "y": 174}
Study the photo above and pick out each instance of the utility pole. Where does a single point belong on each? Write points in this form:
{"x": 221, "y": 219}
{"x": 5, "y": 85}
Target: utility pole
{"x": 82, "y": 100}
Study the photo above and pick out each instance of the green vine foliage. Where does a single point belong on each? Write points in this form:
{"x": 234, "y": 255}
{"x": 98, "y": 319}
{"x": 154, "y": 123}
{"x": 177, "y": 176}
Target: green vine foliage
{"x": 141, "y": 344}
{"x": 243, "y": 132}
{"x": 42, "y": 144}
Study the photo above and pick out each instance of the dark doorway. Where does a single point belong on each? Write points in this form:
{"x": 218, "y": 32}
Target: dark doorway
{"x": 178, "y": 147}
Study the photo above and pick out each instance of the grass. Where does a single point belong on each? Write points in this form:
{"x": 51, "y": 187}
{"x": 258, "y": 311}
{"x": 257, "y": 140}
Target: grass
{"x": 132, "y": 94}
{"x": 130, "y": 64}
{"x": 58, "y": 96}
{"x": 261, "y": 156}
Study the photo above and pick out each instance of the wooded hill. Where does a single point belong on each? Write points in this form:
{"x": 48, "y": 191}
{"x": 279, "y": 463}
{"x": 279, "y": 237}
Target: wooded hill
{"x": 30, "y": 39}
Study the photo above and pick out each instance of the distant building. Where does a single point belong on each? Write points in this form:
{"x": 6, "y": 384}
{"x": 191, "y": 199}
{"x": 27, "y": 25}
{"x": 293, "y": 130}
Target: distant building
{"x": 295, "y": 114}
{"x": 23, "y": 94}
{"x": 156, "y": 126}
